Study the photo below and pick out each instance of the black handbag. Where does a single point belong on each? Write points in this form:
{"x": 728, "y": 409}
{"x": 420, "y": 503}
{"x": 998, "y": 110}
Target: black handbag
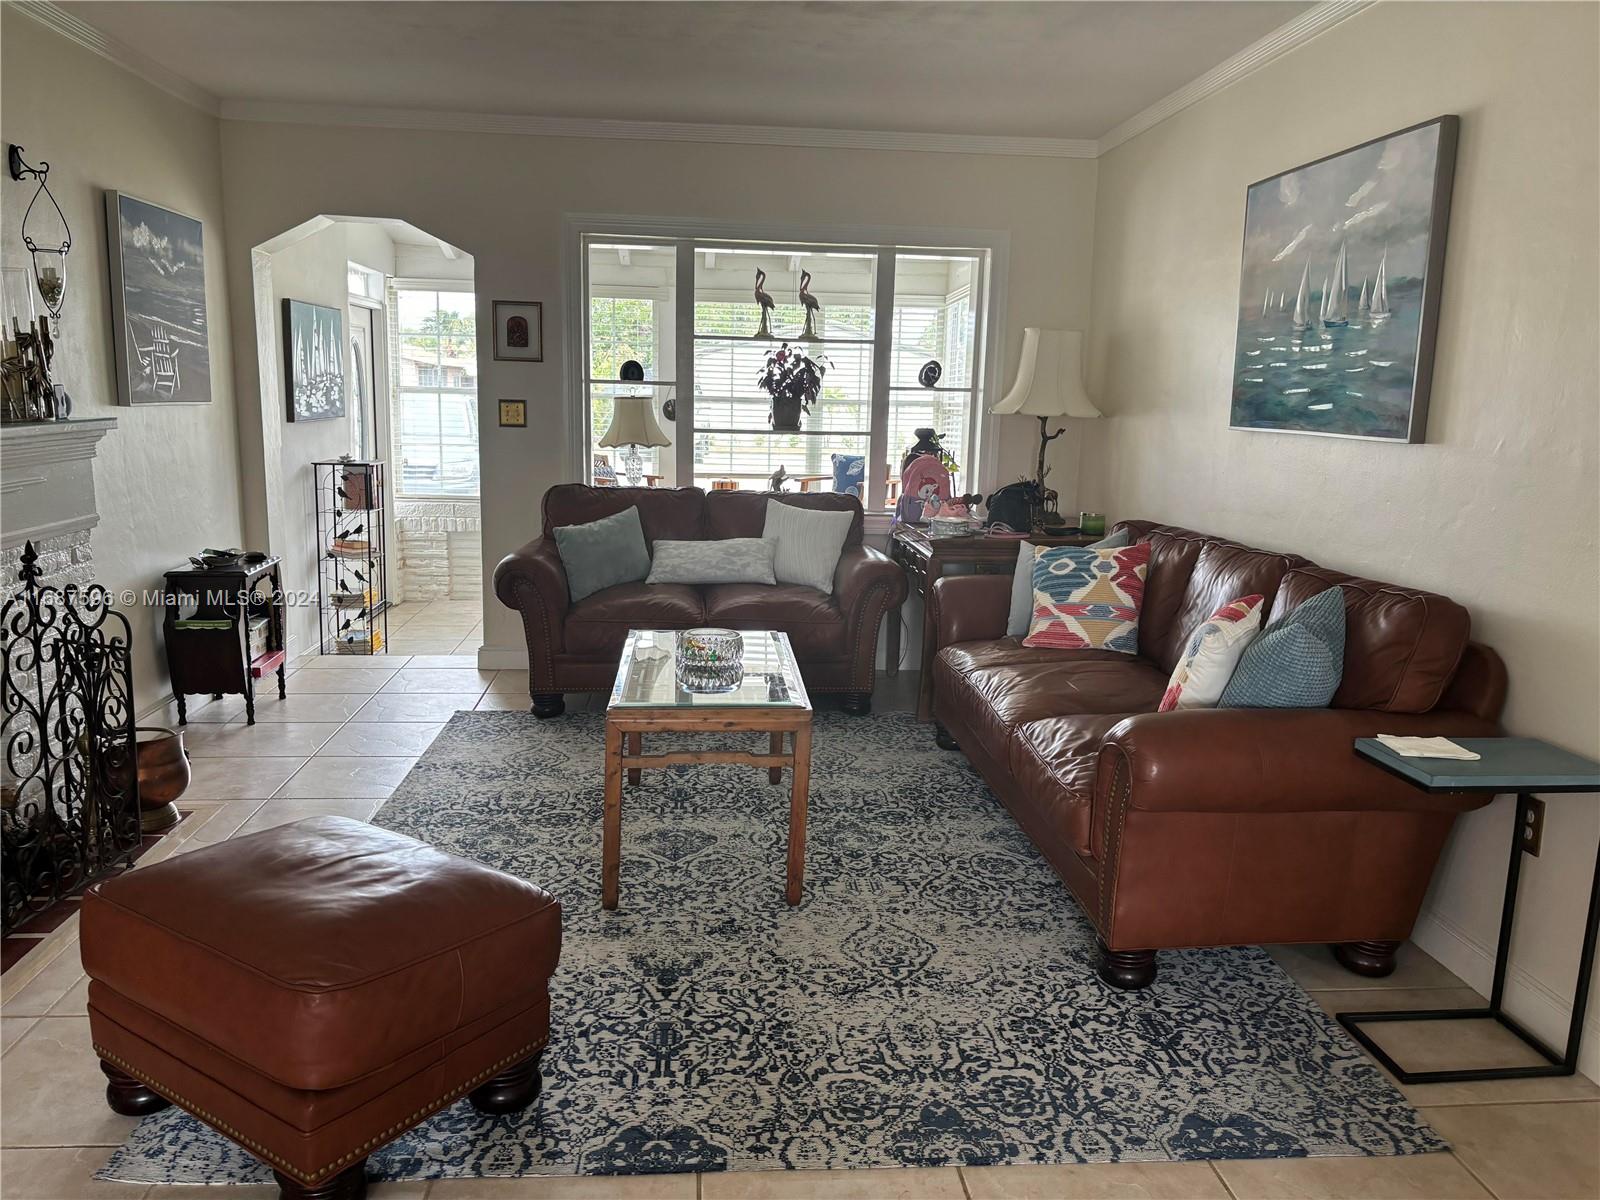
{"x": 1013, "y": 506}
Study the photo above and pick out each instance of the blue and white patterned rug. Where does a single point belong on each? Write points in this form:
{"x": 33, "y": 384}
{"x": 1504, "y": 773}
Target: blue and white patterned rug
{"x": 932, "y": 1002}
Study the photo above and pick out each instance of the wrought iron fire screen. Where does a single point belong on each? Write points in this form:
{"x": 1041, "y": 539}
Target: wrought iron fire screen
{"x": 69, "y": 779}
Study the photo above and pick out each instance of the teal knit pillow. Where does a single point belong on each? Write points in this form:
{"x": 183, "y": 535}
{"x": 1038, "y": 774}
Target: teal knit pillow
{"x": 1296, "y": 662}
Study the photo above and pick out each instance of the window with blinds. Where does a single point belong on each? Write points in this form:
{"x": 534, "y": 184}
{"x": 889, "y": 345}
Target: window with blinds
{"x": 435, "y": 368}
{"x": 876, "y": 336}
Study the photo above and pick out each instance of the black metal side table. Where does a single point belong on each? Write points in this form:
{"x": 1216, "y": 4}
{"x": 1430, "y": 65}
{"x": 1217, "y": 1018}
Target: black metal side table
{"x": 1522, "y": 766}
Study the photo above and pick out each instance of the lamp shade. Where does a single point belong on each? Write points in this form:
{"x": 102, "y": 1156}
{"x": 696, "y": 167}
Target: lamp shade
{"x": 633, "y": 423}
{"x": 1049, "y": 377}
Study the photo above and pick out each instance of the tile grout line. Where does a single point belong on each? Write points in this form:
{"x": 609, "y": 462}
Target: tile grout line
{"x": 961, "y": 1176}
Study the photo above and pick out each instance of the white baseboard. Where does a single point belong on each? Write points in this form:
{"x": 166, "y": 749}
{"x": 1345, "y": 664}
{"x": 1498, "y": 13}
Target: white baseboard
{"x": 502, "y": 658}
{"x": 1544, "y": 1011}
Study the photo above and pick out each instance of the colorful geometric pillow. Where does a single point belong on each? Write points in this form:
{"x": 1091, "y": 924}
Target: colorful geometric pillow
{"x": 1297, "y": 661}
{"x": 1211, "y": 654}
{"x": 1021, "y": 614}
{"x": 1088, "y": 599}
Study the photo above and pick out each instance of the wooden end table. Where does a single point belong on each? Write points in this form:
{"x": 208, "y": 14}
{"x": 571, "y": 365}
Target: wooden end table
{"x": 1521, "y": 766}
{"x": 207, "y": 631}
{"x": 771, "y": 698}
{"x": 925, "y": 559}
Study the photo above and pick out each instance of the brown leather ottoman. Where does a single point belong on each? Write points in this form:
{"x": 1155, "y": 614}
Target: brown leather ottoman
{"x": 314, "y": 991}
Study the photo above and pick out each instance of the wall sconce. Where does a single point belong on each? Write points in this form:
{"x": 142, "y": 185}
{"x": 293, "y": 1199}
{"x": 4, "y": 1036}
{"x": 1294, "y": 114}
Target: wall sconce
{"x": 49, "y": 263}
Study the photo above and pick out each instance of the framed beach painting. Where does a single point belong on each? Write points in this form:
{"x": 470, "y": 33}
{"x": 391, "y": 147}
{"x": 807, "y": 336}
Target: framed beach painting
{"x": 159, "y": 327}
{"x": 1339, "y": 289}
{"x": 313, "y": 358}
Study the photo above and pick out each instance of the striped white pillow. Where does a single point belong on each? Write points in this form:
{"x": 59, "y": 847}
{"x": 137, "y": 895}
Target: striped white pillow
{"x": 809, "y": 542}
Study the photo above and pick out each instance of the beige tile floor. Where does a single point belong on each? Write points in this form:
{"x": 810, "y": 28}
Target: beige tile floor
{"x": 344, "y": 748}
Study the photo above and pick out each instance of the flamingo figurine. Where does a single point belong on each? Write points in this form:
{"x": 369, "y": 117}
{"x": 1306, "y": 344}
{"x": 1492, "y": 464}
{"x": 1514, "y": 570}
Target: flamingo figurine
{"x": 767, "y": 303}
{"x": 812, "y": 306}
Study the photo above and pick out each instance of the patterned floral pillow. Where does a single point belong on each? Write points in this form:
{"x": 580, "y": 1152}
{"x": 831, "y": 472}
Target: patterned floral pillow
{"x": 1088, "y": 599}
{"x": 1211, "y": 653}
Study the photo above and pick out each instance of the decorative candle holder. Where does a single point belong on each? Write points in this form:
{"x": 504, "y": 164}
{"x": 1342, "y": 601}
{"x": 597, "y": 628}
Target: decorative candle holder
{"x": 709, "y": 661}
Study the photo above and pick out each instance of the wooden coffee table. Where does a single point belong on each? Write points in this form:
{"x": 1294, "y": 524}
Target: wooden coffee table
{"x": 770, "y": 699}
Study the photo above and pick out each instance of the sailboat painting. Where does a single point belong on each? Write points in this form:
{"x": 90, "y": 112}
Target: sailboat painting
{"x": 1352, "y": 246}
{"x": 313, "y": 354}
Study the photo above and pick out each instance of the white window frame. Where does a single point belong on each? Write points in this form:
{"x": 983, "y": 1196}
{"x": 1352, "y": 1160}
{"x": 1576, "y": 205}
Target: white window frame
{"x": 412, "y": 284}
{"x": 989, "y": 316}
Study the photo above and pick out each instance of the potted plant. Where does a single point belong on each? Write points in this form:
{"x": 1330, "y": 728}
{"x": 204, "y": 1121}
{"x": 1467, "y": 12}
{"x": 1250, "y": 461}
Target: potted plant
{"x": 794, "y": 381}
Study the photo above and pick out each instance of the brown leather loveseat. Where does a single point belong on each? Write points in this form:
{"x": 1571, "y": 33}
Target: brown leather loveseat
{"x": 576, "y": 647}
{"x": 1216, "y": 827}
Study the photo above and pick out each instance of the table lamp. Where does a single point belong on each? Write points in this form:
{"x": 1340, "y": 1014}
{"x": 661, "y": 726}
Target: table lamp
{"x": 633, "y": 424}
{"x": 1049, "y": 384}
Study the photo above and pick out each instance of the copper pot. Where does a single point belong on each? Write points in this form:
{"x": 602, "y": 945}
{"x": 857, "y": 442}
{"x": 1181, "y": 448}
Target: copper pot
{"x": 163, "y": 775}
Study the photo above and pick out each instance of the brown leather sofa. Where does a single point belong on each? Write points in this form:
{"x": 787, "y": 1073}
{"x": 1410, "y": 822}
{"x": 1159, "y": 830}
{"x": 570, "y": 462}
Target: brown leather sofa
{"x": 1215, "y": 827}
{"x": 576, "y": 647}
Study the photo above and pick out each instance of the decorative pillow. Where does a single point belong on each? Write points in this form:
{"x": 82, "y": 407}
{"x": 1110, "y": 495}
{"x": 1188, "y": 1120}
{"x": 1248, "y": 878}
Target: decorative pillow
{"x": 721, "y": 560}
{"x": 849, "y": 473}
{"x": 603, "y": 553}
{"x": 1085, "y": 598}
{"x": 1211, "y": 653}
{"x": 808, "y": 542}
{"x": 1022, "y": 580}
{"x": 1296, "y": 662}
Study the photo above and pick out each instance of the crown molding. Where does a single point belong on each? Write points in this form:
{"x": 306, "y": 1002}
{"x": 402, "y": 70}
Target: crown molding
{"x": 59, "y": 20}
{"x": 652, "y": 131}
{"x": 1281, "y": 41}
{"x": 1309, "y": 24}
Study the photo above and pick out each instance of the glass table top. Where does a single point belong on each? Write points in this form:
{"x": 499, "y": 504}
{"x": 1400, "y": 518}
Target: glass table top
{"x": 647, "y": 677}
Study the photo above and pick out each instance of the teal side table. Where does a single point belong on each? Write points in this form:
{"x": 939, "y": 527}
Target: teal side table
{"x": 1523, "y": 766}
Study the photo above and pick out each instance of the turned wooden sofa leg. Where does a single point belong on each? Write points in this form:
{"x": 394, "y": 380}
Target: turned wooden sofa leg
{"x": 857, "y": 704}
{"x": 942, "y": 737}
{"x": 348, "y": 1184}
{"x": 510, "y": 1091}
{"x": 548, "y": 704}
{"x": 1126, "y": 970}
{"x": 1372, "y": 959}
{"x": 128, "y": 1097}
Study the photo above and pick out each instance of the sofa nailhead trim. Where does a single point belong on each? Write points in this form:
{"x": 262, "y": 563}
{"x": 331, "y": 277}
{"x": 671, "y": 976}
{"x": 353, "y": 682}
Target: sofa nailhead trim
{"x": 322, "y": 1173}
{"x": 1122, "y": 793}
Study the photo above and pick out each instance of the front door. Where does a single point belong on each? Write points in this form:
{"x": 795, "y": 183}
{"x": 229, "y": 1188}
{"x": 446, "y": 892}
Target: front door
{"x": 363, "y": 389}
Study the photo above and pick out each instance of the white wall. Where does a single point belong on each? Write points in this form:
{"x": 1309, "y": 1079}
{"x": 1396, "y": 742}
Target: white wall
{"x": 1498, "y": 509}
{"x": 167, "y": 478}
{"x": 313, "y": 269}
{"x": 501, "y": 198}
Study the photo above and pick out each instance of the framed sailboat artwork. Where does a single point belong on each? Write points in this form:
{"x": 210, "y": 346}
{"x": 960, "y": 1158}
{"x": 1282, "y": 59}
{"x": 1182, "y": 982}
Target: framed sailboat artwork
{"x": 1339, "y": 289}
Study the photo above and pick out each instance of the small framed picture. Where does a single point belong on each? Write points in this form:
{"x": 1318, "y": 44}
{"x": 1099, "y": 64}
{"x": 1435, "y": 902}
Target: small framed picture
{"x": 514, "y": 414}
{"x": 519, "y": 331}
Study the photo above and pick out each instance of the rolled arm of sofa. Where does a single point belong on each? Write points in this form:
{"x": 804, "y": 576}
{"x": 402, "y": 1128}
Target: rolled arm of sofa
{"x": 1271, "y": 760}
{"x": 866, "y": 583}
{"x": 532, "y": 581}
{"x": 971, "y": 608}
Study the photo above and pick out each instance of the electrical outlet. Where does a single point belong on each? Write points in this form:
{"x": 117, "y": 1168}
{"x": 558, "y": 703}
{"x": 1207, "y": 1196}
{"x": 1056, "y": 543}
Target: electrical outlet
{"x": 1532, "y": 831}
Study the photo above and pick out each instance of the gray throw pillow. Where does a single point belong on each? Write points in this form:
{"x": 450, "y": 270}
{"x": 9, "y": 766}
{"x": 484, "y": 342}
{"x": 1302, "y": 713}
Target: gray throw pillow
{"x": 1296, "y": 662}
{"x": 603, "y": 553}
{"x": 724, "y": 560}
{"x": 1022, "y": 580}
{"x": 808, "y": 543}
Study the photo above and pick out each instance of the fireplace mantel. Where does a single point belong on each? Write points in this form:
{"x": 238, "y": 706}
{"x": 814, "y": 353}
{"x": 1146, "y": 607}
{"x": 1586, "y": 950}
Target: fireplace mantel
{"x": 47, "y": 479}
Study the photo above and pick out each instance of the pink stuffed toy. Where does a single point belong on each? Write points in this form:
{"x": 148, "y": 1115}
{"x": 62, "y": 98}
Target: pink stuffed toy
{"x": 924, "y": 486}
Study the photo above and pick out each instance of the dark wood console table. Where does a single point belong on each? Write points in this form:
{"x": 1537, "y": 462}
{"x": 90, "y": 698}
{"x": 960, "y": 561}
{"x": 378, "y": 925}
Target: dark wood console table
{"x": 925, "y": 559}
{"x": 207, "y": 631}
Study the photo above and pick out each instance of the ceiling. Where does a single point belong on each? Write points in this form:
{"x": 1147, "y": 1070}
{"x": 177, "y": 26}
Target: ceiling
{"x": 1054, "y": 70}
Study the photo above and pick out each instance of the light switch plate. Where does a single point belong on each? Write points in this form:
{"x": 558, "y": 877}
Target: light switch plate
{"x": 514, "y": 413}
